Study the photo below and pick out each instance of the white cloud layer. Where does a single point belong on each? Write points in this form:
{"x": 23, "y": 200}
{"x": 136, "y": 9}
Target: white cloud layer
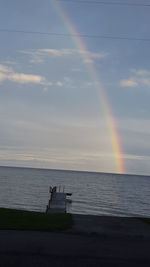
{"x": 26, "y": 78}
{"x": 140, "y": 77}
{"x": 38, "y": 55}
{"x": 7, "y": 74}
{"x": 128, "y": 83}
{"x": 5, "y": 69}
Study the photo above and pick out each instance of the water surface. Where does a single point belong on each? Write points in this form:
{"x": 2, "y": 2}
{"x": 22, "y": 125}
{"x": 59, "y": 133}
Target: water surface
{"x": 93, "y": 193}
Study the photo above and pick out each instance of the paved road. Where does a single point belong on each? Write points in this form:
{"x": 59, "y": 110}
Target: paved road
{"x": 39, "y": 249}
{"x": 92, "y": 241}
{"x": 109, "y": 225}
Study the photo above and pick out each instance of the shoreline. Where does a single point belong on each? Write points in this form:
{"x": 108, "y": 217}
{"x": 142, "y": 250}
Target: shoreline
{"x": 91, "y": 241}
{"x": 108, "y": 241}
{"x": 12, "y": 219}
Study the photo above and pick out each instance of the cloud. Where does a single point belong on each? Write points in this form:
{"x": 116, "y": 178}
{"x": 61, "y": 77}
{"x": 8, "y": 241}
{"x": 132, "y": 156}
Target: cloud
{"x": 60, "y": 84}
{"x": 88, "y": 56}
{"x": 38, "y": 55}
{"x": 55, "y": 52}
{"x": 45, "y": 89}
{"x": 9, "y": 62}
{"x": 90, "y": 84}
{"x": 26, "y": 78}
{"x": 128, "y": 83}
{"x": 141, "y": 72}
{"x": 135, "y": 157}
{"x": 145, "y": 81}
{"x": 7, "y": 74}
{"x": 140, "y": 77}
{"x": 3, "y": 77}
{"x": 136, "y": 126}
{"x": 5, "y": 69}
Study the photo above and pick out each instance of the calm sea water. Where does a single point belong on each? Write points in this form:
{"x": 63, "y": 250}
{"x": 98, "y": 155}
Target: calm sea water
{"x": 93, "y": 193}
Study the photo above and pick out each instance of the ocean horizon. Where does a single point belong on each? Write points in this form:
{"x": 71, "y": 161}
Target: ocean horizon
{"x": 73, "y": 170}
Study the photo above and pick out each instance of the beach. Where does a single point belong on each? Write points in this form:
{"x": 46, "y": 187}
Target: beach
{"x": 92, "y": 241}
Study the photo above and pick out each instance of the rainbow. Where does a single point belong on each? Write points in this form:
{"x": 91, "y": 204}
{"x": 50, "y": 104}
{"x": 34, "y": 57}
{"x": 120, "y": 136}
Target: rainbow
{"x": 110, "y": 120}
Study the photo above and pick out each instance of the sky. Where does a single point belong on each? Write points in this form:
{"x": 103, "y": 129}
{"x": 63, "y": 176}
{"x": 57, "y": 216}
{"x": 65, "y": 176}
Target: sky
{"x": 75, "y": 102}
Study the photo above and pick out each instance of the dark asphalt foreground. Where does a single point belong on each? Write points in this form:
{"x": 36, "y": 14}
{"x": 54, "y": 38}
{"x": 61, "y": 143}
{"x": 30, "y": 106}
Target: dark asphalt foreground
{"x": 93, "y": 241}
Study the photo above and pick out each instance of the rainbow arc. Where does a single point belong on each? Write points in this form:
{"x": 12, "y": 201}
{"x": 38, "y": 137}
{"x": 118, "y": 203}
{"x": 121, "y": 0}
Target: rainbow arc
{"x": 95, "y": 77}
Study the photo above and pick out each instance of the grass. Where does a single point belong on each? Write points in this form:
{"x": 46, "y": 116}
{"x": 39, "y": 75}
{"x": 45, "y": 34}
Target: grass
{"x": 146, "y": 220}
{"x": 36, "y": 221}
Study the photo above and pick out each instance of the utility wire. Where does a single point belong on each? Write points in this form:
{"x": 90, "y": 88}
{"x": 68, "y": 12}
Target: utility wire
{"x": 104, "y": 3}
{"x": 77, "y": 35}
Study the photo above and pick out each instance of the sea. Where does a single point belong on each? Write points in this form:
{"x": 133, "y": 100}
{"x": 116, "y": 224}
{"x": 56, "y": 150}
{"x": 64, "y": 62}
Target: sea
{"x": 92, "y": 193}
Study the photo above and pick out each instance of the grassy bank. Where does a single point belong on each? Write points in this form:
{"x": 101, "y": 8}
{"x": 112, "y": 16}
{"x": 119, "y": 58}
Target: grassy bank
{"x": 28, "y": 220}
{"x": 146, "y": 220}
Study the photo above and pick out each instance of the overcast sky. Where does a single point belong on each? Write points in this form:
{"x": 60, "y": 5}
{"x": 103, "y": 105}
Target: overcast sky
{"x": 50, "y": 115}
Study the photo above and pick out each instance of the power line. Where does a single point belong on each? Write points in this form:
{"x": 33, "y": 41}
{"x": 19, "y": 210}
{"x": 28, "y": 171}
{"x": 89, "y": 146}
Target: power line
{"x": 104, "y": 3}
{"x": 77, "y": 35}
